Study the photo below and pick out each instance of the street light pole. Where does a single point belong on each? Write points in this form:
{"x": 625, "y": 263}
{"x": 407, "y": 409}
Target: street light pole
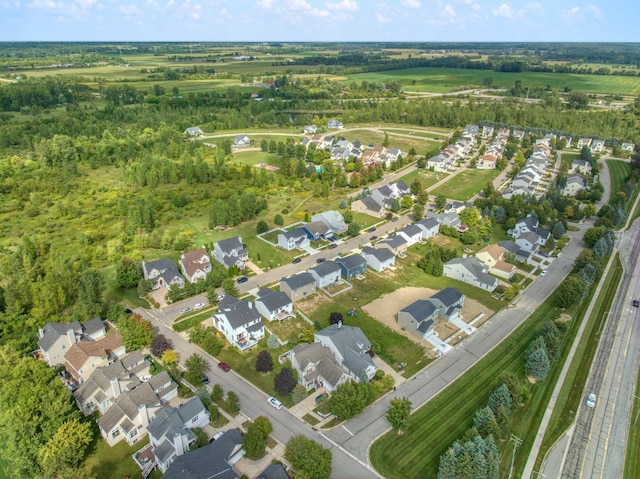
{"x": 516, "y": 443}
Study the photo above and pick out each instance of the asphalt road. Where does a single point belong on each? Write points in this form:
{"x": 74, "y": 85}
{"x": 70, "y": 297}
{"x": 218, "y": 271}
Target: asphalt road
{"x": 599, "y": 438}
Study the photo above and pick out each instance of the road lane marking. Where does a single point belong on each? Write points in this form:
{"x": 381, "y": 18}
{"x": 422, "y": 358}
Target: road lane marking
{"x": 343, "y": 427}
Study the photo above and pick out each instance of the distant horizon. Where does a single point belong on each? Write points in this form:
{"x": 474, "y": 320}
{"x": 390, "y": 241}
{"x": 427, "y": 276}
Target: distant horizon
{"x": 293, "y": 42}
{"x": 310, "y": 21}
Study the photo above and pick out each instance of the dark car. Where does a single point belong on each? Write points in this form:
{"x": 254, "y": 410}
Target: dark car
{"x": 320, "y": 397}
{"x": 205, "y": 380}
{"x": 333, "y": 245}
{"x": 636, "y": 303}
{"x": 372, "y": 229}
{"x": 374, "y": 237}
{"x": 243, "y": 280}
{"x": 296, "y": 260}
{"x": 224, "y": 366}
{"x": 395, "y": 218}
{"x": 321, "y": 260}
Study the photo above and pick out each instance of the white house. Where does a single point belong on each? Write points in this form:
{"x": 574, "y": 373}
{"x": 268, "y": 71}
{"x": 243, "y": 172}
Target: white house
{"x": 241, "y": 141}
{"x": 326, "y": 273}
{"x": 163, "y": 272}
{"x": 429, "y": 227}
{"x": 412, "y": 233}
{"x": 239, "y": 321}
{"x": 379, "y": 259}
{"x": 317, "y": 367}
{"x": 333, "y": 220}
{"x": 575, "y": 183}
{"x": 294, "y": 239}
{"x": 350, "y": 347}
{"x": 274, "y": 305}
{"x": 230, "y": 252}
{"x": 335, "y": 124}
{"x": 193, "y": 131}
{"x": 472, "y": 271}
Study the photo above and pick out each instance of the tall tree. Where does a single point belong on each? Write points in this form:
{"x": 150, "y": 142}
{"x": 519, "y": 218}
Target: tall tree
{"x": 308, "y": 459}
{"x": 264, "y": 362}
{"x": 284, "y": 381}
{"x": 65, "y": 450}
{"x": 398, "y": 413}
{"x": 537, "y": 364}
{"x": 195, "y": 365}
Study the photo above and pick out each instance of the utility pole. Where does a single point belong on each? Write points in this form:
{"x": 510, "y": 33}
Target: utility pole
{"x": 516, "y": 443}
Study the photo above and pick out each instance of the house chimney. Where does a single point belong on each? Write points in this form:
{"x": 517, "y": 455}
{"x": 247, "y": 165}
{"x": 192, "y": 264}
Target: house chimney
{"x": 71, "y": 334}
{"x": 339, "y": 323}
{"x": 115, "y": 388}
{"x": 144, "y": 415}
{"x": 179, "y": 444}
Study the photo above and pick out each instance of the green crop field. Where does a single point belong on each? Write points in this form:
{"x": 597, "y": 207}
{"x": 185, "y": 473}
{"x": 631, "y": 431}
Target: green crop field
{"x": 466, "y": 184}
{"x": 444, "y": 80}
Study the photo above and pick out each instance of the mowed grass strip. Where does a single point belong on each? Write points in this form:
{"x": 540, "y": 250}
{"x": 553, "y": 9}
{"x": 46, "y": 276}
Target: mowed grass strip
{"x": 466, "y": 184}
{"x": 619, "y": 171}
{"x": 434, "y": 427}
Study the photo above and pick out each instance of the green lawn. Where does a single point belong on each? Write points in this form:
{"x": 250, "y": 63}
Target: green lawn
{"x": 619, "y": 171}
{"x": 443, "y": 80}
{"x": 368, "y": 137}
{"x": 466, "y": 184}
{"x": 427, "y": 177}
{"x": 115, "y": 461}
{"x": 433, "y": 427}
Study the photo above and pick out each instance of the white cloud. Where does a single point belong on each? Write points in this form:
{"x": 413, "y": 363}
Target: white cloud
{"x": 410, "y": 3}
{"x": 503, "y": 10}
{"x": 449, "y": 12}
{"x": 595, "y": 10}
{"x": 382, "y": 18}
{"x": 130, "y": 10}
{"x": 85, "y": 3}
{"x": 298, "y": 5}
{"x": 318, "y": 13}
{"x": 349, "y": 5}
{"x": 265, "y": 4}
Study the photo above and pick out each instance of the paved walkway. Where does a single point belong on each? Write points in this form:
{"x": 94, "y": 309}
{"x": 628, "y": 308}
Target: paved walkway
{"x": 461, "y": 325}
{"x": 438, "y": 343}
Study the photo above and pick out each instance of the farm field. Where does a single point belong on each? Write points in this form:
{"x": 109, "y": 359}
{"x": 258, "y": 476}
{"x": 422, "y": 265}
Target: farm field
{"x": 466, "y": 184}
{"x": 445, "y": 80}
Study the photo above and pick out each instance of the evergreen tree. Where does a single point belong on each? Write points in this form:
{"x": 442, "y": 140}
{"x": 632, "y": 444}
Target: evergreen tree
{"x": 264, "y": 362}
{"x": 500, "y": 396}
{"x": 284, "y": 381}
{"x": 537, "y": 364}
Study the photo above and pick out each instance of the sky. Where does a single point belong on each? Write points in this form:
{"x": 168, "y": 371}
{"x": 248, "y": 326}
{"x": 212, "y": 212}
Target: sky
{"x": 320, "y": 20}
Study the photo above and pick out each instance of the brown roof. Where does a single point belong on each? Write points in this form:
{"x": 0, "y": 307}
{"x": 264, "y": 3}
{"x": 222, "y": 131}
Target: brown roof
{"x": 493, "y": 250}
{"x": 81, "y": 351}
{"x": 192, "y": 260}
{"x": 504, "y": 266}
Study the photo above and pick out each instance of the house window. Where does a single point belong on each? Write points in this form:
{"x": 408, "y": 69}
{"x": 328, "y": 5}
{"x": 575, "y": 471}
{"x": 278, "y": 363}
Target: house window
{"x": 133, "y": 433}
{"x": 195, "y": 418}
{"x": 115, "y": 433}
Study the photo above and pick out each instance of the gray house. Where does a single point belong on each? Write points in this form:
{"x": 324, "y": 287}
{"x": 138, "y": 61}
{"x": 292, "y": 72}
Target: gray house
{"x": 213, "y": 460}
{"x": 298, "y": 286}
{"x": 230, "y": 252}
{"x": 318, "y": 230}
{"x": 163, "y": 272}
{"x": 55, "y": 339}
{"x": 294, "y": 239}
{"x": 418, "y": 318}
{"x": 317, "y": 367}
{"x": 351, "y": 266}
{"x": 429, "y": 226}
{"x": 396, "y": 243}
{"x": 333, "y": 220}
{"x": 193, "y": 131}
{"x": 472, "y": 271}
{"x": 379, "y": 258}
{"x": 274, "y": 305}
{"x": 241, "y": 141}
{"x": 350, "y": 347}
{"x": 170, "y": 432}
{"x": 325, "y": 273}
{"x": 449, "y": 303}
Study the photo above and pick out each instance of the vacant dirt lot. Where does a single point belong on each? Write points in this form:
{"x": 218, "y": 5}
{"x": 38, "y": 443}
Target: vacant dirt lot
{"x": 385, "y": 310}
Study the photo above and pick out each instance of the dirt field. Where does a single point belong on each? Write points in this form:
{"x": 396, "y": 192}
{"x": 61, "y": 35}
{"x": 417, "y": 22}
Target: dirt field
{"x": 385, "y": 310}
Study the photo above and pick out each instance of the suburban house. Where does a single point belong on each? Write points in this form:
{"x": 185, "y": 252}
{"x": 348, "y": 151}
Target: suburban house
{"x": 511, "y": 247}
{"x": 575, "y": 183}
{"x": 583, "y": 142}
{"x": 412, "y": 233}
{"x": 519, "y": 134}
{"x": 528, "y": 241}
{"x": 193, "y": 131}
{"x": 333, "y": 220}
{"x": 369, "y": 206}
{"x": 419, "y": 318}
{"x": 449, "y": 303}
{"x": 310, "y": 129}
{"x": 451, "y": 219}
{"x": 132, "y": 412}
{"x": 318, "y": 230}
{"x": 429, "y": 227}
{"x": 239, "y": 321}
{"x": 379, "y": 259}
{"x": 486, "y": 162}
{"x": 493, "y": 258}
{"x": 440, "y": 163}
{"x": 335, "y": 124}
{"x": 107, "y": 383}
{"x": 597, "y": 145}
{"x": 396, "y": 243}
{"x": 581, "y": 166}
{"x": 295, "y": 239}
{"x": 241, "y": 141}
{"x": 274, "y": 305}
{"x": 529, "y": 224}
{"x": 55, "y": 339}
{"x": 472, "y": 271}
{"x": 487, "y": 131}
{"x": 230, "y": 252}
{"x": 326, "y": 273}
{"x": 350, "y": 347}
{"x": 273, "y": 471}
{"x": 627, "y": 147}
{"x": 298, "y": 286}
{"x": 214, "y": 460}
{"x": 170, "y": 433}
{"x": 85, "y": 356}
{"x": 195, "y": 264}
{"x": 163, "y": 272}
{"x": 317, "y": 367}
{"x": 351, "y": 266}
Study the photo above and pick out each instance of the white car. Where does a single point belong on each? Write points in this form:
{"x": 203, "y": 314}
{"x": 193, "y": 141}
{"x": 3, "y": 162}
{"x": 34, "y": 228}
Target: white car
{"x": 198, "y": 306}
{"x": 591, "y": 400}
{"x": 274, "y": 402}
{"x": 543, "y": 272}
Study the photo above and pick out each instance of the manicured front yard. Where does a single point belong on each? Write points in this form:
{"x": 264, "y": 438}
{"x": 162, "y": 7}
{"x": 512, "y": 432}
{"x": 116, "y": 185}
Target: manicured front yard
{"x": 116, "y": 461}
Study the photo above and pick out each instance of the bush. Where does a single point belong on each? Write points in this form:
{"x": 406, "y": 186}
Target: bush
{"x": 284, "y": 382}
{"x": 264, "y": 363}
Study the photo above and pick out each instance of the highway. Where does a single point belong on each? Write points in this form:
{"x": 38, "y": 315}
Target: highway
{"x": 597, "y": 446}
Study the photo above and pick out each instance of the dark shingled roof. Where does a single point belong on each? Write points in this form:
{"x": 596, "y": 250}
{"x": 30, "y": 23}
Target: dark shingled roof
{"x": 448, "y": 296}
{"x": 326, "y": 268}
{"x": 299, "y": 280}
{"x": 420, "y": 309}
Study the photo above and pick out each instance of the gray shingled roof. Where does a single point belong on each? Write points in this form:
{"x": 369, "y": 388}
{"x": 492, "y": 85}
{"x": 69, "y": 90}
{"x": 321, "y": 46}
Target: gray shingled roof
{"x": 170, "y": 420}
{"x": 412, "y": 230}
{"x": 317, "y": 228}
{"x": 207, "y": 462}
{"x": 126, "y": 406}
{"x": 428, "y": 223}
{"x": 299, "y": 280}
{"x": 316, "y": 353}
{"x": 275, "y": 300}
{"x": 352, "y": 344}
{"x": 326, "y": 268}
{"x": 371, "y": 203}
{"x": 352, "y": 261}
{"x": 273, "y": 471}
{"x": 167, "y": 268}
{"x": 381, "y": 254}
{"x": 420, "y": 309}
{"x": 229, "y": 244}
{"x": 52, "y": 331}
{"x": 394, "y": 241}
{"x": 295, "y": 233}
{"x": 92, "y": 326}
{"x": 240, "y": 314}
{"x": 448, "y": 296}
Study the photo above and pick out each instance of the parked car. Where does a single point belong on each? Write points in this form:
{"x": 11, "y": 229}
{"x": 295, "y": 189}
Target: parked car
{"x": 205, "y": 380}
{"x": 185, "y": 310}
{"x": 296, "y": 260}
{"x": 591, "y": 400}
{"x": 220, "y": 297}
{"x": 217, "y": 435}
{"x": 636, "y": 303}
{"x": 243, "y": 280}
{"x": 395, "y": 218}
{"x": 333, "y": 245}
{"x": 198, "y": 306}
{"x": 543, "y": 272}
{"x": 320, "y": 397}
{"x": 321, "y": 260}
{"x": 374, "y": 237}
{"x": 372, "y": 229}
{"x": 274, "y": 402}
{"x": 224, "y": 366}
